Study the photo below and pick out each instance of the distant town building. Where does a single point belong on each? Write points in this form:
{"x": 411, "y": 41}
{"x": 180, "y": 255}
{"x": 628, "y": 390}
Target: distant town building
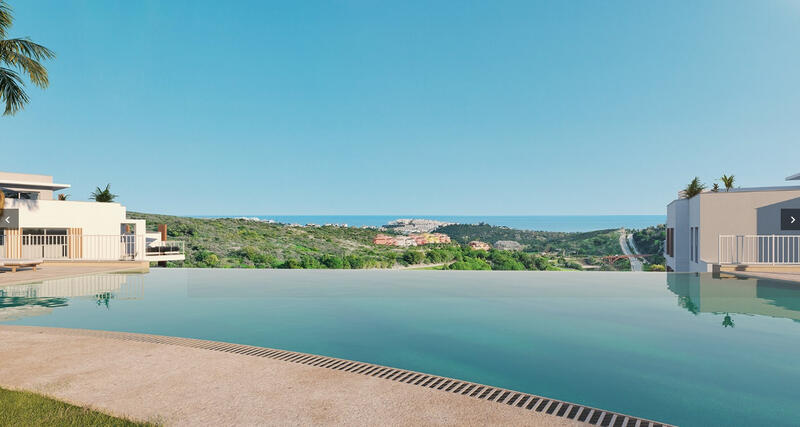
{"x": 412, "y": 240}
{"x": 430, "y": 238}
{"x": 405, "y": 241}
{"x": 507, "y": 245}
{"x": 409, "y": 226}
{"x": 479, "y": 246}
{"x": 383, "y": 239}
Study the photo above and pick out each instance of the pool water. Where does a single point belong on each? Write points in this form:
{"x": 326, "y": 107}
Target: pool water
{"x": 686, "y": 349}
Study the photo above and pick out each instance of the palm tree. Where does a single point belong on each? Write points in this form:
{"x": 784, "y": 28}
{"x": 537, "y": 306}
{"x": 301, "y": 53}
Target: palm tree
{"x": 715, "y": 188}
{"x": 694, "y": 188}
{"x": 63, "y": 196}
{"x": 728, "y": 181}
{"x": 103, "y": 195}
{"x": 19, "y": 54}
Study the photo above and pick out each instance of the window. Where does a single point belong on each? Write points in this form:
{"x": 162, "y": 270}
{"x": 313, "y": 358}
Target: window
{"x": 696, "y": 244}
{"x": 671, "y": 242}
{"x": 24, "y": 195}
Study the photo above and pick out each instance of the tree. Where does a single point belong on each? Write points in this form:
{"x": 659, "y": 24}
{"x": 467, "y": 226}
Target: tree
{"x": 413, "y": 257}
{"x": 19, "y": 55}
{"x": 694, "y": 188}
{"x": 715, "y": 188}
{"x": 63, "y": 196}
{"x": 727, "y": 181}
{"x": 103, "y": 195}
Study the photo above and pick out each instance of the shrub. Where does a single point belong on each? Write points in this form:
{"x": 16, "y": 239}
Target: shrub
{"x": 332, "y": 261}
{"x": 657, "y": 267}
{"x": 308, "y": 261}
{"x": 354, "y": 261}
{"x": 413, "y": 257}
{"x": 470, "y": 263}
{"x": 212, "y": 260}
{"x": 290, "y": 263}
{"x": 502, "y": 260}
{"x": 541, "y": 263}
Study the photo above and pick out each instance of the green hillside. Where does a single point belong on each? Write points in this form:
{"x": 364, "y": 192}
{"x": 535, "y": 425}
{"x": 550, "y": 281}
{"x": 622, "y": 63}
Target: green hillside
{"x": 241, "y": 243}
{"x": 593, "y": 243}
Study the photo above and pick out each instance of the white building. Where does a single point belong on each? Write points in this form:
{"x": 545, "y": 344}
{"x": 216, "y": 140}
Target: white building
{"x": 744, "y": 228}
{"x": 35, "y": 225}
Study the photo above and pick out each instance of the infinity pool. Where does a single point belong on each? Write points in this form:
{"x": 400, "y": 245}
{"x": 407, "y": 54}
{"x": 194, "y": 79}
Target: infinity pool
{"x": 686, "y": 349}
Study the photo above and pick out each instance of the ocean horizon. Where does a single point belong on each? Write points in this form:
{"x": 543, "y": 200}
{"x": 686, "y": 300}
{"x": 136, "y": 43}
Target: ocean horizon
{"x": 562, "y": 223}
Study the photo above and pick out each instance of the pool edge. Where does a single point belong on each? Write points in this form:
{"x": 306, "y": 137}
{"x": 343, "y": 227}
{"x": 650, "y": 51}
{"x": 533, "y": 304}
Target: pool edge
{"x": 523, "y": 401}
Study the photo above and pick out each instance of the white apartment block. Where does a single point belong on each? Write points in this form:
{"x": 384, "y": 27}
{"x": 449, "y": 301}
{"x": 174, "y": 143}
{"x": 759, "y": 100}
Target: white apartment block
{"x": 744, "y": 228}
{"x": 35, "y": 224}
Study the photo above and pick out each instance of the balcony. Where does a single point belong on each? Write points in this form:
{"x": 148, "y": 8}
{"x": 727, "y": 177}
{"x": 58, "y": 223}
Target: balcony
{"x": 759, "y": 250}
{"x": 125, "y": 247}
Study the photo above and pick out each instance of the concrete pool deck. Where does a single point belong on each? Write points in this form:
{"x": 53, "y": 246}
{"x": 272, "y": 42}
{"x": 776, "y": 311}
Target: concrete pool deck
{"x": 61, "y": 270}
{"x": 178, "y": 381}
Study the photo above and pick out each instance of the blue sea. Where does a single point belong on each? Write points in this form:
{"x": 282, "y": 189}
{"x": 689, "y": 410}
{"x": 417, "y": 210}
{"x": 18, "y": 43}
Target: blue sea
{"x": 531, "y": 222}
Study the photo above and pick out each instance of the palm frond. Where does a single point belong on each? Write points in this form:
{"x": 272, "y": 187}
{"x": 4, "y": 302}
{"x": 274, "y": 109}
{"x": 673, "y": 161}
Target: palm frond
{"x": 24, "y": 46}
{"x": 727, "y": 181}
{"x": 694, "y": 188}
{"x": 12, "y": 91}
{"x": 103, "y": 195}
{"x": 31, "y": 66}
{"x": 5, "y": 18}
{"x": 23, "y": 55}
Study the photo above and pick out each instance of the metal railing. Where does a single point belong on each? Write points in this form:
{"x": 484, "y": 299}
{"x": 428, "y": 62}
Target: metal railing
{"x": 86, "y": 247}
{"x": 759, "y": 249}
{"x": 166, "y": 247}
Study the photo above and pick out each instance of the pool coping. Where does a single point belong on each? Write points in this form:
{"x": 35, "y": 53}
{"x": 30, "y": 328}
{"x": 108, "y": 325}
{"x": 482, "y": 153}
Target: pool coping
{"x": 524, "y": 401}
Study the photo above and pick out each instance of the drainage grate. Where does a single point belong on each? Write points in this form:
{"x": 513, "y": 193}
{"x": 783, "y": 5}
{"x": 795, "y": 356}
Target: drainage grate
{"x": 520, "y": 400}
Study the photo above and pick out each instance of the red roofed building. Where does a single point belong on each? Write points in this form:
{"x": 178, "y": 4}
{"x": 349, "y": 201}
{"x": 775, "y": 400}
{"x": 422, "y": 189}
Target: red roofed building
{"x": 479, "y": 246}
{"x": 383, "y": 239}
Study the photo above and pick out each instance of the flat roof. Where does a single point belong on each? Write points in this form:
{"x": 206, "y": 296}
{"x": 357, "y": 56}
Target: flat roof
{"x": 747, "y": 189}
{"x": 33, "y": 185}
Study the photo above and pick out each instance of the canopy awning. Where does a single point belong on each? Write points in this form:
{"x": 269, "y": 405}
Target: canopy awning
{"x": 33, "y": 185}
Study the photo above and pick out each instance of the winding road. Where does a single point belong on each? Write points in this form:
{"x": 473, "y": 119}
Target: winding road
{"x": 636, "y": 264}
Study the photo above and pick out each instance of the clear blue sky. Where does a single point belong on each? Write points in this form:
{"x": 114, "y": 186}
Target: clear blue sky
{"x": 446, "y": 107}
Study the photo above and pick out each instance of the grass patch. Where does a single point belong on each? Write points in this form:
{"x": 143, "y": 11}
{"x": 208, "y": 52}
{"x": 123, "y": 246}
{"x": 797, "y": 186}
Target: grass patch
{"x": 433, "y": 267}
{"x": 21, "y": 408}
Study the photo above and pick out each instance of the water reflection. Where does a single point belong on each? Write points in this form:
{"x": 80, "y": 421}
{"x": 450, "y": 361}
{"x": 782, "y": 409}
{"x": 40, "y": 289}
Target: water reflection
{"x": 36, "y": 299}
{"x": 727, "y": 296}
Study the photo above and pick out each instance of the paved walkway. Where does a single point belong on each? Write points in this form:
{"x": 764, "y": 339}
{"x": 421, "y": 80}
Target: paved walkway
{"x": 59, "y": 270}
{"x": 180, "y": 385}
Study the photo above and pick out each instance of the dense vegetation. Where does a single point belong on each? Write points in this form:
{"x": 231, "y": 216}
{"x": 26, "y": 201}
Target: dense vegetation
{"x": 240, "y": 243}
{"x": 592, "y": 243}
{"x": 651, "y": 240}
{"x": 228, "y": 242}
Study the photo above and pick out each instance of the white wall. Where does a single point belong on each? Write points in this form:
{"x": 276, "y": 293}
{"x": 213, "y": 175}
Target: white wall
{"x": 93, "y": 217}
{"x": 678, "y": 218}
{"x": 742, "y": 213}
